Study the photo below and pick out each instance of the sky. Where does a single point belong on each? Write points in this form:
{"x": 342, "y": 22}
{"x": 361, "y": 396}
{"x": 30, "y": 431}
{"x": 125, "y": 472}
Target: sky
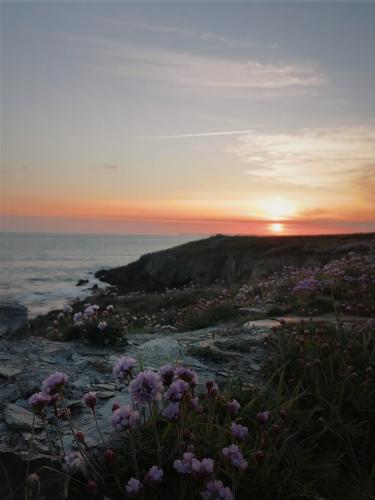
{"x": 201, "y": 118}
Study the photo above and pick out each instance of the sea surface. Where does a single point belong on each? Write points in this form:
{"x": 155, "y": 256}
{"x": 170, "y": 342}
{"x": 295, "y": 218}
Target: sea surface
{"x": 40, "y": 271}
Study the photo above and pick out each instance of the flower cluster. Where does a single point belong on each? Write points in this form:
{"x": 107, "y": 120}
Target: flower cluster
{"x": 233, "y": 454}
{"x": 189, "y": 464}
{"x": 146, "y": 387}
{"x": 215, "y": 490}
{"x": 124, "y": 418}
{"x": 124, "y": 367}
{"x": 239, "y": 431}
{"x": 55, "y": 383}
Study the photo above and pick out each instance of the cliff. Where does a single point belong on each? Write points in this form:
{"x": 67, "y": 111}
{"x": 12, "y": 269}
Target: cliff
{"x": 231, "y": 259}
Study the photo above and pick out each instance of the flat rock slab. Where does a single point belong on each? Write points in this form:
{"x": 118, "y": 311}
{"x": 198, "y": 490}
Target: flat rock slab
{"x": 106, "y": 387}
{"x": 20, "y": 419}
{"x": 9, "y": 371}
{"x": 106, "y": 394}
{"x": 262, "y": 323}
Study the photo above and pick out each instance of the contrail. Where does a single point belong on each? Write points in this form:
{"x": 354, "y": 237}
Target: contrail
{"x": 200, "y": 134}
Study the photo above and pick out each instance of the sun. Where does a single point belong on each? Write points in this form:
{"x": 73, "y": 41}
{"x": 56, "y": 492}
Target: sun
{"x": 277, "y": 227}
{"x": 277, "y": 208}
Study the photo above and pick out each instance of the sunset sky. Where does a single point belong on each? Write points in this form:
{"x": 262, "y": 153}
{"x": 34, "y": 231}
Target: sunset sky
{"x": 188, "y": 118}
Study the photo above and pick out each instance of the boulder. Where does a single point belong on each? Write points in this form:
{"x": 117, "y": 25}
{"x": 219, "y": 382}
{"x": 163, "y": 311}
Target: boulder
{"x": 20, "y": 419}
{"x": 13, "y": 320}
{"x": 8, "y": 371}
{"x": 14, "y": 466}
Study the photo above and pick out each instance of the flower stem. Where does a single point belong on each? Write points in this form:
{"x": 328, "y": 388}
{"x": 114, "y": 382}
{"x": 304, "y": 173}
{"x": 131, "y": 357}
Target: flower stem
{"x": 59, "y": 430}
{"x": 97, "y": 426}
{"x": 158, "y": 449}
{"x": 29, "y": 459}
{"x": 134, "y": 454}
{"x": 47, "y": 434}
{"x": 84, "y": 455}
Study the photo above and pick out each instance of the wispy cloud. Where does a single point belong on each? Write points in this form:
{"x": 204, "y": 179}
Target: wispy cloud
{"x": 191, "y": 71}
{"x": 191, "y": 135}
{"x": 205, "y": 36}
{"x": 111, "y": 166}
{"x": 325, "y": 157}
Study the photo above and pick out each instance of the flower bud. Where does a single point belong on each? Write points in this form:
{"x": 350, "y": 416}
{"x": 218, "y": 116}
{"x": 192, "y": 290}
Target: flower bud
{"x": 33, "y": 479}
{"x": 260, "y": 457}
{"x": 80, "y": 435}
{"x": 92, "y": 487}
{"x": 115, "y": 407}
{"x": 109, "y": 454}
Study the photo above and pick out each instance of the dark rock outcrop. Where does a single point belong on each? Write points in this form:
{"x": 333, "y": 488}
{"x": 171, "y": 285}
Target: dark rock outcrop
{"x": 13, "y": 472}
{"x": 13, "y": 320}
{"x": 231, "y": 259}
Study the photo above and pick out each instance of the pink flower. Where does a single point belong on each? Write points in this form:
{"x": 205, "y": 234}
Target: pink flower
{"x": 233, "y": 407}
{"x": 123, "y": 367}
{"x": 77, "y": 318}
{"x": 172, "y": 412}
{"x": 90, "y": 399}
{"x": 154, "y": 475}
{"x": 72, "y": 462}
{"x": 54, "y": 383}
{"x": 239, "y": 431}
{"x": 212, "y": 388}
{"x": 167, "y": 373}
{"x": 195, "y": 406}
{"x": 185, "y": 465}
{"x": 146, "y": 387}
{"x": 133, "y": 487}
{"x": 124, "y": 418}
{"x": 186, "y": 374}
{"x": 38, "y": 401}
{"x": 263, "y": 417}
{"x": 205, "y": 467}
{"x": 191, "y": 465}
{"x": 177, "y": 390}
{"x": 234, "y": 455}
{"x": 215, "y": 490}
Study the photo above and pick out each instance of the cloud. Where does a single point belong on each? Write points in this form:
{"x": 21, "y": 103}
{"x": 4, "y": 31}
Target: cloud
{"x": 218, "y": 40}
{"x": 111, "y": 166}
{"x": 193, "y": 135}
{"x": 324, "y": 157}
{"x": 191, "y": 71}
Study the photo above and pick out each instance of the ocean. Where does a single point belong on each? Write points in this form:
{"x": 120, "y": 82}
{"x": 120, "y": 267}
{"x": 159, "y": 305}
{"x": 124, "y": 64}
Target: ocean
{"x": 41, "y": 271}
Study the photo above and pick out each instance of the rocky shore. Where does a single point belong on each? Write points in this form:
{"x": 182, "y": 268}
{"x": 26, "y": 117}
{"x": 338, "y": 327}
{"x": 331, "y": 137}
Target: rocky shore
{"x": 231, "y": 259}
{"x": 231, "y": 346}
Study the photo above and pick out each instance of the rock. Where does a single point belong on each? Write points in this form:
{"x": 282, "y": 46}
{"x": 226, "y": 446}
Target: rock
{"x": 250, "y": 310}
{"x": 105, "y": 394}
{"x": 7, "y": 371}
{"x": 82, "y": 282}
{"x": 231, "y": 259}
{"x": 76, "y": 407}
{"x": 262, "y": 323}
{"x": 9, "y": 393}
{"x": 106, "y": 387}
{"x": 15, "y": 466}
{"x": 20, "y": 419}
{"x": 13, "y": 320}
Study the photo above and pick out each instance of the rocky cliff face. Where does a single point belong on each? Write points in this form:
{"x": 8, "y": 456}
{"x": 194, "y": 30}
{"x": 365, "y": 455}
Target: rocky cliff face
{"x": 231, "y": 259}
